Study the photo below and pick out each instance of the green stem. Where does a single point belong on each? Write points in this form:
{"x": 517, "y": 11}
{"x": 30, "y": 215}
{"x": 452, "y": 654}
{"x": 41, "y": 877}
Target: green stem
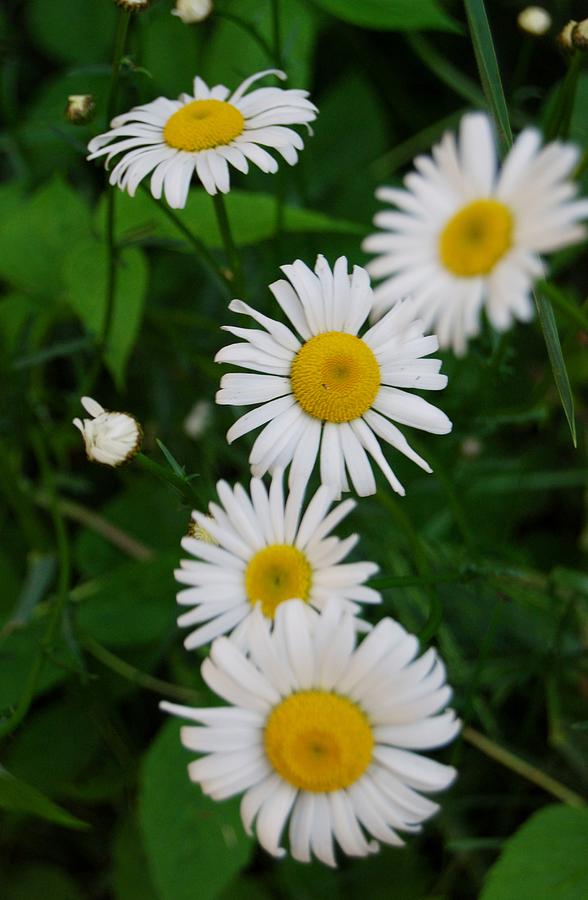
{"x": 135, "y": 676}
{"x": 522, "y": 768}
{"x": 120, "y": 40}
{"x": 558, "y": 124}
{"x": 200, "y": 249}
{"x": 182, "y": 485}
{"x": 111, "y": 250}
{"x": 62, "y": 595}
{"x": 443, "y": 69}
{"x": 234, "y": 260}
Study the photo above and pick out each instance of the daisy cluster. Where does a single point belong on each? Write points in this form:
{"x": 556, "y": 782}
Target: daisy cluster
{"x": 324, "y": 714}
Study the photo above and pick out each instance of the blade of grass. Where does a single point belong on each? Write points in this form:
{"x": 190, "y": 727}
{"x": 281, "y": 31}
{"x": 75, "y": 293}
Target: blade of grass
{"x": 558, "y": 366}
{"x": 563, "y": 303}
{"x": 492, "y": 85}
{"x": 488, "y": 68}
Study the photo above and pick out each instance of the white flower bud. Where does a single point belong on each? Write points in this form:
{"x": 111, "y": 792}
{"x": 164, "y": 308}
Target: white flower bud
{"x": 564, "y": 38}
{"x": 580, "y": 35}
{"x": 80, "y": 108}
{"x": 133, "y": 5}
{"x": 111, "y": 438}
{"x": 191, "y": 11}
{"x": 534, "y": 20}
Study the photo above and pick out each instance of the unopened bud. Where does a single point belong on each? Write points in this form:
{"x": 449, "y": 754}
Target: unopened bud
{"x": 534, "y": 20}
{"x": 564, "y": 38}
{"x": 80, "y": 108}
{"x": 133, "y": 5}
{"x": 191, "y": 11}
{"x": 110, "y": 438}
{"x": 580, "y": 35}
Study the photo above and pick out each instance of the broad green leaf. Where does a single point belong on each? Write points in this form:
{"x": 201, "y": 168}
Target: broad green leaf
{"x": 66, "y": 32}
{"x": 547, "y": 859}
{"x": 488, "y": 68}
{"x": 232, "y": 54}
{"x": 43, "y": 753}
{"x": 85, "y": 275}
{"x": 18, "y": 796}
{"x": 133, "y": 604}
{"x": 252, "y": 218}
{"x": 170, "y": 72}
{"x": 18, "y": 648}
{"x": 130, "y": 871}
{"x": 32, "y": 242}
{"x": 40, "y": 881}
{"x": 195, "y": 846}
{"x": 399, "y": 15}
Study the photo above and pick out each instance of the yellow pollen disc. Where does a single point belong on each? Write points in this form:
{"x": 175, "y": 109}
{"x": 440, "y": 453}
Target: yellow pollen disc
{"x": 277, "y": 573}
{"x": 202, "y": 125}
{"x": 318, "y": 741}
{"x": 335, "y": 377}
{"x": 475, "y": 238}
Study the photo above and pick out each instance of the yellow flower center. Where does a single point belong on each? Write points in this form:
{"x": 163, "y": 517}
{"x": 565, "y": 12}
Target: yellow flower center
{"x": 335, "y": 377}
{"x": 277, "y": 573}
{"x": 318, "y": 741}
{"x": 203, "y": 124}
{"x": 475, "y": 238}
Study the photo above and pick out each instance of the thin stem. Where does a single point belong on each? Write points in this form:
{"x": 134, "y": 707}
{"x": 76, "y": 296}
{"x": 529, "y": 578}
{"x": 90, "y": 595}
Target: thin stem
{"x": 120, "y": 40}
{"x": 521, "y": 767}
{"x": 136, "y": 676}
{"x": 97, "y": 523}
{"x": 234, "y": 260}
{"x": 200, "y": 249}
{"x": 111, "y": 250}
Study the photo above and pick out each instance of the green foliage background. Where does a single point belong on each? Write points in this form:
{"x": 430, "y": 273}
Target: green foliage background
{"x": 487, "y": 557}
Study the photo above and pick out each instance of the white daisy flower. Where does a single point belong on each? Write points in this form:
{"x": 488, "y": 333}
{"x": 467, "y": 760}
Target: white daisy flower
{"x": 465, "y": 236}
{"x": 267, "y": 551}
{"x": 325, "y": 390}
{"x": 322, "y": 733}
{"x": 111, "y": 438}
{"x": 203, "y": 133}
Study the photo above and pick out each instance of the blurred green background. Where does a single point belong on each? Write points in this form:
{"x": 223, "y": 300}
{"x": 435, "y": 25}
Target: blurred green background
{"x": 95, "y": 802}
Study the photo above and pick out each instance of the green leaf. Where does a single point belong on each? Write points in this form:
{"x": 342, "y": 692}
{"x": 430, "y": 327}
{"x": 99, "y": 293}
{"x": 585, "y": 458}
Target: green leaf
{"x": 18, "y": 648}
{"x": 400, "y": 15}
{"x": 33, "y": 242}
{"x": 130, "y": 873}
{"x": 133, "y": 604}
{"x": 558, "y": 365}
{"x": 252, "y": 218}
{"x": 40, "y": 880}
{"x": 18, "y": 796}
{"x": 488, "y": 67}
{"x": 232, "y": 53}
{"x": 547, "y": 859}
{"x": 65, "y": 33}
{"x": 195, "y": 846}
{"x": 85, "y": 274}
{"x": 44, "y": 754}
